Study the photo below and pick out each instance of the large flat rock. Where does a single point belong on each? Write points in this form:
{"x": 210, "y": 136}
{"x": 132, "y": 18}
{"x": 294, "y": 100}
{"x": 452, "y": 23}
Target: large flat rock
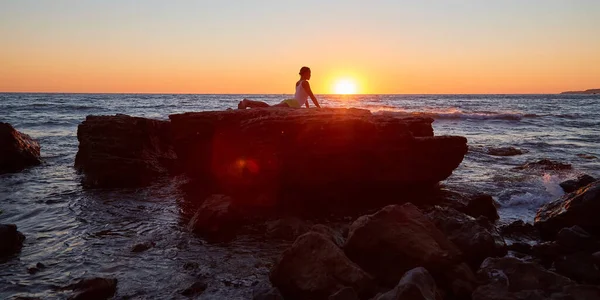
{"x": 304, "y": 149}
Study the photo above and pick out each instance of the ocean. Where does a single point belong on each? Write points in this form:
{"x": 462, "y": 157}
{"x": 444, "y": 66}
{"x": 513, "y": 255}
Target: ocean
{"x": 79, "y": 233}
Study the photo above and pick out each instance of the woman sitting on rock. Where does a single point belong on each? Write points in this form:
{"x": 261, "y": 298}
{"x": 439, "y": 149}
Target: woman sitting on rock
{"x": 303, "y": 91}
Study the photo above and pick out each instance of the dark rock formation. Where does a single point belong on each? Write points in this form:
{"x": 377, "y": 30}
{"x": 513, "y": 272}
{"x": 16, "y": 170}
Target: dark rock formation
{"x": 265, "y": 291}
{"x": 546, "y": 164}
{"x": 399, "y": 238}
{"x": 315, "y": 268}
{"x": 141, "y": 247}
{"x": 505, "y": 151}
{"x": 195, "y": 289}
{"x": 346, "y": 293}
{"x": 575, "y": 238}
{"x": 586, "y": 92}
{"x": 306, "y": 153}
{"x": 123, "y": 151}
{"x": 11, "y": 239}
{"x": 578, "y": 208}
{"x": 586, "y": 156}
{"x": 572, "y": 185}
{"x": 17, "y": 150}
{"x": 510, "y": 278}
{"x": 475, "y": 240}
{"x": 335, "y": 236}
{"x": 578, "y": 266}
{"x": 93, "y": 289}
{"x": 520, "y": 232}
{"x": 473, "y": 204}
{"x": 416, "y": 284}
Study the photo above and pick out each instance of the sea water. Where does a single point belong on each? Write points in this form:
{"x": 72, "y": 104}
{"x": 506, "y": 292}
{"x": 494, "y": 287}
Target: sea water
{"x": 80, "y": 233}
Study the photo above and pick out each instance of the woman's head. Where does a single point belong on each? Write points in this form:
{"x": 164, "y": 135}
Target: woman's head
{"x": 305, "y": 72}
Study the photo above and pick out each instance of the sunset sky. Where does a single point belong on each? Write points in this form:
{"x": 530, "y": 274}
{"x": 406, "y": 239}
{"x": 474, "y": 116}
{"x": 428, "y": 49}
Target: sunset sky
{"x": 258, "y": 46}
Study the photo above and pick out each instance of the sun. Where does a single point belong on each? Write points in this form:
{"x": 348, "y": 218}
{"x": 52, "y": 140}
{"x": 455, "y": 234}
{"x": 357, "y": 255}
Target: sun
{"x": 345, "y": 87}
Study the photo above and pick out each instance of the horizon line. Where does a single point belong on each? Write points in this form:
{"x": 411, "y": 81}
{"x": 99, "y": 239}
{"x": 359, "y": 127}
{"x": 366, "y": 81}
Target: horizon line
{"x": 320, "y": 94}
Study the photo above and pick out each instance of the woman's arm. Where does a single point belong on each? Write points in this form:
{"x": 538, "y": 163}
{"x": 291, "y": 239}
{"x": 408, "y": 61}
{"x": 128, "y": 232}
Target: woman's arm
{"x": 306, "y": 87}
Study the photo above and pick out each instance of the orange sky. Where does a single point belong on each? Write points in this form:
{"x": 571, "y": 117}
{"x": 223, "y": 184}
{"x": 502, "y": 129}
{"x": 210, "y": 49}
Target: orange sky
{"x": 96, "y": 48}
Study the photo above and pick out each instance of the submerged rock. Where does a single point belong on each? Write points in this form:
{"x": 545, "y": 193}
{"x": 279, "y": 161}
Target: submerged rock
{"x": 416, "y": 284}
{"x": 315, "y": 268}
{"x": 399, "y": 238}
{"x": 218, "y": 215}
{"x": 17, "y": 150}
{"x": 574, "y": 184}
{"x": 12, "y": 240}
{"x": 546, "y": 164}
{"x": 505, "y": 151}
{"x": 196, "y": 288}
{"x": 123, "y": 151}
{"x": 476, "y": 241}
{"x": 578, "y": 208}
{"x": 93, "y": 289}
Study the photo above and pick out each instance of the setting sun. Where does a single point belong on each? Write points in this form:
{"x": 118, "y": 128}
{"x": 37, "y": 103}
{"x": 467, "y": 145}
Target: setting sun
{"x": 345, "y": 87}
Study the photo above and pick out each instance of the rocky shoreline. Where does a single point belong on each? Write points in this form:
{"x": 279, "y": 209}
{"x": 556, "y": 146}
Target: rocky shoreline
{"x": 361, "y": 202}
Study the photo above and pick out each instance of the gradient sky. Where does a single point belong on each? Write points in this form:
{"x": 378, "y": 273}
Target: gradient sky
{"x": 257, "y": 46}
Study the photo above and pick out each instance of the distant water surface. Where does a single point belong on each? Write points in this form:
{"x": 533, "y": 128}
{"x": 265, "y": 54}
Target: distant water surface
{"x": 78, "y": 233}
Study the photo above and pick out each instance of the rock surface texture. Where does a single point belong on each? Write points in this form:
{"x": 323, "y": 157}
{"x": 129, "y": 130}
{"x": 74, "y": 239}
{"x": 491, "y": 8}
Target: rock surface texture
{"x": 577, "y": 208}
{"x": 17, "y": 150}
{"x": 123, "y": 151}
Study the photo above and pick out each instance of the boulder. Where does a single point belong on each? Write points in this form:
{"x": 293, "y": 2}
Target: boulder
{"x": 505, "y": 151}
{"x": 511, "y": 278}
{"x": 578, "y": 292}
{"x": 308, "y": 154}
{"x": 195, "y": 289}
{"x": 123, "y": 151}
{"x": 578, "y": 266}
{"x": 315, "y": 268}
{"x": 12, "y": 240}
{"x": 577, "y": 208}
{"x": 572, "y": 185}
{"x": 575, "y": 238}
{"x": 476, "y": 241}
{"x": 397, "y": 239}
{"x": 473, "y": 204}
{"x": 416, "y": 284}
{"x": 93, "y": 289}
{"x": 334, "y": 235}
{"x": 520, "y": 232}
{"x": 265, "y": 291}
{"x": 17, "y": 150}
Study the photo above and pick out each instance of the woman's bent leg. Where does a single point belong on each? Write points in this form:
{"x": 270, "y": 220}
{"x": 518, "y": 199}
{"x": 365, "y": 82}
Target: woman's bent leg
{"x": 247, "y": 103}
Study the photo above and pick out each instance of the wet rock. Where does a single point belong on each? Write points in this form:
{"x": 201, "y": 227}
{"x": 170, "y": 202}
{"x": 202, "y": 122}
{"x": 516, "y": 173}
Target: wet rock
{"x": 346, "y": 293}
{"x": 547, "y": 252}
{"x": 195, "y": 289}
{"x": 578, "y": 208}
{"x": 520, "y": 232}
{"x": 141, "y": 247}
{"x": 314, "y": 268}
{"x": 546, "y": 164}
{"x": 335, "y": 236}
{"x": 248, "y": 151}
{"x": 505, "y": 151}
{"x": 36, "y": 268}
{"x": 265, "y": 291}
{"x": 218, "y": 215}
{"x": 473, "y": 204}
{"x": 287, "y": 229}
{"x": 12, "y": 240}
{"x": 578, "y": 266}
{"x": 511, "y": 278}
{"x": 93, "y": 289}
{"x": 575, "y": 238}
{"x": 123, "y": 151}
{"x": 574, "y": 184}
{"x": 416, "y": 284}
{"x": 399, "y": 238}
{"x": 521, "y": 248}
{"x": 17, "y": 150}
{"x": 475, "y": 241}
